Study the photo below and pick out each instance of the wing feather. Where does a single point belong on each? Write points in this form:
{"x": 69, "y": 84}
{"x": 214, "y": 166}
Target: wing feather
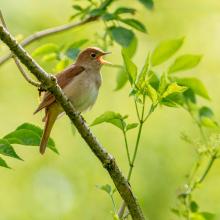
{"x": 63, "y": 78}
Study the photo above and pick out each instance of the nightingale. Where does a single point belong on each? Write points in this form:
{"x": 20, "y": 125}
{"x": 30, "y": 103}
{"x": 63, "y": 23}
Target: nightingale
{"x": 80, "y": 82}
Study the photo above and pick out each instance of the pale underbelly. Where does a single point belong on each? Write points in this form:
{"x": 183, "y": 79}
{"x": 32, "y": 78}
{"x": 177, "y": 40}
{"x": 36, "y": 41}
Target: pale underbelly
{"x": 83, "y": 95}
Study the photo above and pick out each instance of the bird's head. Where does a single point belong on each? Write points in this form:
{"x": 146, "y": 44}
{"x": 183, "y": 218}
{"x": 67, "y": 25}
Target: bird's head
{"x": 92, "y": 57}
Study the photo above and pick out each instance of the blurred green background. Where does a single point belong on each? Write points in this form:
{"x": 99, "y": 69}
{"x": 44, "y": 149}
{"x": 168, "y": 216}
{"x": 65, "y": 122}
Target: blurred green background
{"x": 64, "y": 186}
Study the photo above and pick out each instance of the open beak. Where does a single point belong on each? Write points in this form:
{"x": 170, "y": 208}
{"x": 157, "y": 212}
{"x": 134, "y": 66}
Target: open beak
{"x": 101, "y": 60}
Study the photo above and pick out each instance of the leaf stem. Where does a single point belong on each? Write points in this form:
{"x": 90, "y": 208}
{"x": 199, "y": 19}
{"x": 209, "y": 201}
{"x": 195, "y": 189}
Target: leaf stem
{"x": 141, "y": 122}
{"x": 137, "y": 111}
{"x": 210, "y": 163}
{"x": 113, "y": 202}
{"x": 142, "y": 119}
{"x": 126, "y": 146}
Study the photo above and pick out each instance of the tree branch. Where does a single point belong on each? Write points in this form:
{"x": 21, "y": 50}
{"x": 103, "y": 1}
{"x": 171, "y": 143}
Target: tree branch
{"x": 47, "y": 32}
{"x": 104, "y": 157}
{"x": 25, "y": 75}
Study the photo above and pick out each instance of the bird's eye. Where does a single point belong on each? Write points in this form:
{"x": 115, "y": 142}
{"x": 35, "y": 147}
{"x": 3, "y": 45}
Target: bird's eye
{"x": 93, "y": 55}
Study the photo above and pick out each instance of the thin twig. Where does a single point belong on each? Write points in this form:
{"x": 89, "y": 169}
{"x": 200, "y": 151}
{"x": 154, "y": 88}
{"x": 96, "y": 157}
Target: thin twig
{"x": 142, "y": 119}
{"x": 50, "y": 31}
{"x": 25, "y": 75}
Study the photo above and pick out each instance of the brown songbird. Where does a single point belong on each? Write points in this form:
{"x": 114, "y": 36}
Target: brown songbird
{"x": 80, "y": 82}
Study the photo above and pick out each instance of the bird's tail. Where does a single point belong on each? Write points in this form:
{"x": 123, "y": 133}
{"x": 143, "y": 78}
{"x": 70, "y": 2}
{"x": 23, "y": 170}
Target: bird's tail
{"x": 50, "y": 118}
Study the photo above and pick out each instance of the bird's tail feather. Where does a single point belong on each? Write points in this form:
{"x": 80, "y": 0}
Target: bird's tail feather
{"x": 50, "y": 118}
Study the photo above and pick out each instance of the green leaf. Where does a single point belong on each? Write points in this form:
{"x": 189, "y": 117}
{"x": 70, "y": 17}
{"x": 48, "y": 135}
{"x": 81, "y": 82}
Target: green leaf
{"x": 165, "y": 50}
{"x": 135, "y": 24}
{"x": 173, "y": 88}
{"x": 39, "y": 131}
{"x": 78, "y": 43}
{"x": 23, "y": 137}
{"x": 208, "y": 122}
{"x": 77, "y": 7}
{"x": 73, "y": 49}
{"x": 121, "y": 79}
{"x": 105, "y": 4}
{"x": 152, "y": 93}
{"x": 196, "y": 216}
{"x": 194, "y": 206}
{"x": 45, "y": 49}
{"x": 154, "y": 80}
{"x": 190, "y": 95}
{"x": 49, "y": 57}
{"x": 147, "y": 3}
{"x": 3, "y": 163}
{"x": 123, "y": 10}
{"x": 195, "y": 84}
{"x": 72, "y": 53}
{"x": 131, "y": 49}
{"x": 163, "y": 83}
{"x": 62, "y": 64}
{"x": 115, "y": 217}
{"x": 106, "y": 188}
{"x": 75, "y": 15}
{"x": 122, "y": 35}
{"x": 109, "y": 16}
{"x": 97, "y": 12}
{"x": 110, "y": 117}
{"x": 206, "y": 117}
{"x": 173, "y": 100}
{"x": 131, "y": 68}
{"x": 208, "y": 215}
{"x": 28, "y": 134}
{"x": 202, "y": 216}
{"x": 7, "y": 150}
{"x": 131, "y": 126}
{"x": 185, "y": 62}
{"x": 205, "y": 111}
{"x": 145, "y": 68}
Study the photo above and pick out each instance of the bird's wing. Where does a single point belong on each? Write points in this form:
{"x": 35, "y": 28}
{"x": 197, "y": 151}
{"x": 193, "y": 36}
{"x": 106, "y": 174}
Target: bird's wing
{"x": 63, "y": 78}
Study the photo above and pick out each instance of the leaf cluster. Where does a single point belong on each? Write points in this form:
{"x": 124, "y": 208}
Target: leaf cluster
{"x": 26, "y": 134}
{"x": 119, "y": 23}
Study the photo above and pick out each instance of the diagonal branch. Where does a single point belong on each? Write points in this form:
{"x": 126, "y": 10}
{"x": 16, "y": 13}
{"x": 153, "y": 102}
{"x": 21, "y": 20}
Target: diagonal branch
{"x": 50, "y": 31}
{"x": 104, "y": 157}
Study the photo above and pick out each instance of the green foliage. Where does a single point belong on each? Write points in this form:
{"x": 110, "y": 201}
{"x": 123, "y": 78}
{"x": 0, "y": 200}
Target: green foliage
{"x": 185, "y": 62}
{"x": 106, "y": 188}
{"x": 173, "y": 88}
{"x": 135, "y": 24}
{"x": 195, "y": 85}
{"x": 61, "y": 55}
{"x": 130, "y": 51}
{"x": 131, "y": 126}
{"x": 202, "y": 216}
{"x": 165, "y": 50}
{"x": 124, "y": 10}
{"x": 206, "y": 116}
{"x": 7, "y": 150}
{"x": 121, "y": 35}
{"x": 121, "y": 79}
{"x": 26, "y": 134}
{"x": 113, "y": 29}
{"x": 111, "y": 117}
{"x": 3, "y": 163}
{"x": 163, "y": 88}
{"x": 45, "y": 49}
{"x": 147, "y": 3}
{"x": 130, "y": 67}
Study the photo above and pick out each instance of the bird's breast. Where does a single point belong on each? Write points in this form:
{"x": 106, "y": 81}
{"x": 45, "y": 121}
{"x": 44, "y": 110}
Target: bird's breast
{"x": 83, "y": 90}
